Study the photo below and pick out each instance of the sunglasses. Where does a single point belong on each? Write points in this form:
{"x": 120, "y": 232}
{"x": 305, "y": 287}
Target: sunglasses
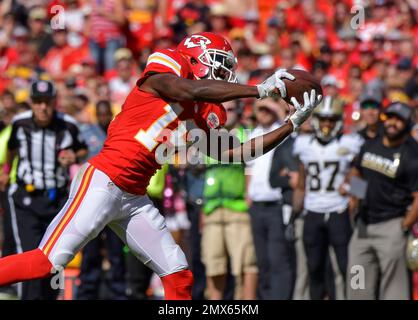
{"x": 370, "y": 106}
{"x": 42, "y": 99}
{"x": 331, "y": 118}
{"x": 265, "y": 109}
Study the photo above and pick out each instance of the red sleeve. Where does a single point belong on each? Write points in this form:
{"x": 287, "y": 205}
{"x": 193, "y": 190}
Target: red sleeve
{"x": 166, "y": 61}
{"x": 210, "y": 116}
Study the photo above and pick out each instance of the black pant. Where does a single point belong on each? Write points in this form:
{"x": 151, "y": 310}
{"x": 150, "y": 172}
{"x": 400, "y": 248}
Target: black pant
{"x": 91, "y": 268}
{"x": 138, "y": 278}
{"x": 9, "y": 245}
{"x": 319, "y": 232}
{"x": 34, "y": 212}
{"x": 276, "y": 257}
{"x": 195, "y": 239}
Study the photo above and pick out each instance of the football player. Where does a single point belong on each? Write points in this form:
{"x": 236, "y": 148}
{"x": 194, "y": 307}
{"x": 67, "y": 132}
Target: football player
{"x": 325, "y": 157}
{"x": 111, "y": 188}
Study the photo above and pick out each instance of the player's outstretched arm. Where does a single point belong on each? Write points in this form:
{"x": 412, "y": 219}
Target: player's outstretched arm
{"x": 168, "y": 86}
{"x": 263, "y": 144}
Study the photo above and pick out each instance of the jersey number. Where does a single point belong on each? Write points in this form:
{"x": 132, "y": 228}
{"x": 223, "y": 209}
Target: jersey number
{"x": 314, "y": 171}
{"x": 148, "y": 137}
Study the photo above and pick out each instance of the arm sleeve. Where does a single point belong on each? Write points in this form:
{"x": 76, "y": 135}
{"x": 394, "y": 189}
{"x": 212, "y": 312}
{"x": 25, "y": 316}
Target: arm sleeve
{"x": 13, "y": 142}
{"x": 277, "y": 181}
{"x": 358, "y": 157}
{"x": 354, "y": 143}
{"x": 414, "y": 180}
{"x": 413, "y": 173}
{"x": 78, "y": 140}
{"x": 297, "y": 146}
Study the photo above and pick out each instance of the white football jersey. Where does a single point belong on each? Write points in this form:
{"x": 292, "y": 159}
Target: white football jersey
{"x": 325, "y": 168}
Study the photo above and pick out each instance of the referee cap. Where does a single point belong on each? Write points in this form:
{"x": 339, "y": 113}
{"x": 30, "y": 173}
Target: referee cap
{"x": 401, "y": 110}
{"x": 42, "y": 89}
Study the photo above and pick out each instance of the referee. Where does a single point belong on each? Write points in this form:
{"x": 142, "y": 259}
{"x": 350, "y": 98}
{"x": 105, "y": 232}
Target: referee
{"x": 46, "y": 143}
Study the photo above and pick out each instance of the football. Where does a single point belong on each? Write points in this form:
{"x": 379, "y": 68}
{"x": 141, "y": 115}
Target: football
{"x": 304, "y": 82}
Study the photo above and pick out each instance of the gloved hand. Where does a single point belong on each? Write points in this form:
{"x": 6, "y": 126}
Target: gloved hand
{"x": 303, "y": 113}
{"x": 289, "y": 232}
{"x": 268, "y": 88}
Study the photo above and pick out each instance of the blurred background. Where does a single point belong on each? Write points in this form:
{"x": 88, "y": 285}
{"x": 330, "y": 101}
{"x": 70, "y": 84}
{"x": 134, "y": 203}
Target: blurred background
{"x": 94, "y": 50}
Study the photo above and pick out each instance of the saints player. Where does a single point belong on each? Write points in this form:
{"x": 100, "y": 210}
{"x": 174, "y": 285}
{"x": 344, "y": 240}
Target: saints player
{"x": 324, "y": 159}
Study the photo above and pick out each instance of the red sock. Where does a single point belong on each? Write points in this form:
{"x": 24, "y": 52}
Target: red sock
{"x": 178, "y": 286}
{"x": 24, "y": 266}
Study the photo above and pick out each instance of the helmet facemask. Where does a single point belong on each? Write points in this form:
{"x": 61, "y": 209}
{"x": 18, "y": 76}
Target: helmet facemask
{"x": 322, "y": 133}
{"x": 331, "y": 109}
{"x": 219, "y": 62}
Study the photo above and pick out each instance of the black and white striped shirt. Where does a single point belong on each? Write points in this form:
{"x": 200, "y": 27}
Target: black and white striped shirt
{"x": 38, "y": 149}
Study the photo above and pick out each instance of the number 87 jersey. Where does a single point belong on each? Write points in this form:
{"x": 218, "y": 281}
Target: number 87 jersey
{"x": 128, "y": 155}
{"x": 325, "y": 168}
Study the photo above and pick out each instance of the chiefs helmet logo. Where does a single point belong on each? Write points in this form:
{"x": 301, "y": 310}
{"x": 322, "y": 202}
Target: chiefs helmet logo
{"x": 196, "y": 41}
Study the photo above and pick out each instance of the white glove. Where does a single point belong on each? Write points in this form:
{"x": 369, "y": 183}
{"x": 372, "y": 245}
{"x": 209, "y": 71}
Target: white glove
{"x": 268, "y": 87}
{"x": 303, "y": 113}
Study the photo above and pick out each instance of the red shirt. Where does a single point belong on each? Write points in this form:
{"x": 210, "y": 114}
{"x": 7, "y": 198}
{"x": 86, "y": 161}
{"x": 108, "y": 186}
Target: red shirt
{"x": 101, "y": 28}
{"x": 59, "y": 60}
{"x": 128, "y": 155}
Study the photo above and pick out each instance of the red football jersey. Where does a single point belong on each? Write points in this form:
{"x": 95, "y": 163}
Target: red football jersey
{"x": 128, "y": 154}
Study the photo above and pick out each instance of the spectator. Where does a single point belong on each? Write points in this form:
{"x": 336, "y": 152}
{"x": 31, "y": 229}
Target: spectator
{"x": 79, "y": 107}
{"x": 60, "y": 57}
{"x": 226, "y": 220}
{"x": 194, "y": 12}
{"x": 8, "y": 111}
{"x": 218, "y": 19}
{"x": 274, "y": 259}
{"x": 9, "y": 53}
{"x": 330, "y": 85}
{"x": 74, "y": 18}
{"x": 104, "y": 24}
{"x": 284, "y": 175}
{"x": 142, "y": 25}
{"x": 370, "y": 105}
{"x": 387, "y": 209}
{"x": 38, "y": 33}
{"x": 164, "y": 39}
{"x": 288, "y": 59}
{"x": 322, "y": 169}
{"x": 125, "y": 79}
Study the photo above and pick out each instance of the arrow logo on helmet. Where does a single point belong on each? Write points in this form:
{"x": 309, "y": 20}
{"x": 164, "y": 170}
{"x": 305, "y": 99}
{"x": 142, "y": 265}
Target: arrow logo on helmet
{"x": 196, "y": 41}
